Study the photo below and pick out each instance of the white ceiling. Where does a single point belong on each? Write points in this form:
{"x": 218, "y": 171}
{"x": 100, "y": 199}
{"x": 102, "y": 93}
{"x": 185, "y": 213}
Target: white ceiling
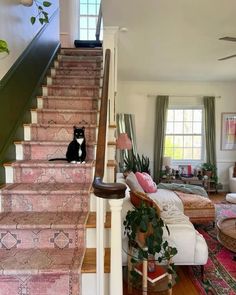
{"x": 174, "y": 39}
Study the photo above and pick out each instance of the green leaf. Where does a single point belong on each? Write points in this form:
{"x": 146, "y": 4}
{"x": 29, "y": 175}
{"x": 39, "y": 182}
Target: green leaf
{"x": 33, "y": 19}
{"x": 41, "y": 20}
{"x": 40, "y": 8}
{"x": 4, "y": 46}
{"x": 46, "y": 3}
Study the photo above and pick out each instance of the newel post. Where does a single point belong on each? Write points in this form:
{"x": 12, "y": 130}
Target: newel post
{"x": 116, "y": 281}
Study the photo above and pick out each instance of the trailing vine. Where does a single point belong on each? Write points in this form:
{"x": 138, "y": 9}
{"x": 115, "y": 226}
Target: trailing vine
{"x": 42, "y": 15}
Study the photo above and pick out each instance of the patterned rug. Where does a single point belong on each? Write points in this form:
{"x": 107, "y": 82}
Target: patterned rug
{"x": 220, "y": 270}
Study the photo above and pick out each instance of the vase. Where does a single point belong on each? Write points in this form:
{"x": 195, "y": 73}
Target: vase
{"x": 27, "y": 2}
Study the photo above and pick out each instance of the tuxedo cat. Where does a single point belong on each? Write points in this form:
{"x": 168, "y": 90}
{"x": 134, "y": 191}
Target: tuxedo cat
{"x": 76, "y": 151}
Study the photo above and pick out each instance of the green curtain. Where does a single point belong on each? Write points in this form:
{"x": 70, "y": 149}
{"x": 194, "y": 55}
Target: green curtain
{"x": 126, "y": 124}
{"x": 209, "y": 107}
{"x": 162, "y": 102}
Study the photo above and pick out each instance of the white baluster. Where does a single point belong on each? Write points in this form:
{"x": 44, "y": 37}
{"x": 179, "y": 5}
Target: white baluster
{"x": 116, "y": 281}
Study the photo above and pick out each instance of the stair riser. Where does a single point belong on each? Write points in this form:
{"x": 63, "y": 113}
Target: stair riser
{"x": 91, "y": 238}
{"x": 74, "y": 81}
{"x": 70, "y": 91}
{"x": 72, "y": 174}
{"x": 77, "y": 58}
{"x": 45, "y": 202}
{"x": 46, "y": 152}
{"x": 76, "y": 72}
{"x": 26, "y": 284}
{"x": 44, "y": 238}
{"x": 75, "y": 52}
{"x": 59, "y": 117}
{"x": 54, "y": 133}
{"x": 67, "y": 104}
{"x": 78, "y": 64}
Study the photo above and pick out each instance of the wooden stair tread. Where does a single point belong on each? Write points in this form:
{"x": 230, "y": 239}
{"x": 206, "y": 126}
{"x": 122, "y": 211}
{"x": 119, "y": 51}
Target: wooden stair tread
{"x": 89, "y": 262}
{"x": 91, "y": 222}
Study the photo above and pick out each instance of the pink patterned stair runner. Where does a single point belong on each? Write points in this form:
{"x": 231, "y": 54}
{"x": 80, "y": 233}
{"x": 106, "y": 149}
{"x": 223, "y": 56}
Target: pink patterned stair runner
{"x": 44, "y": 211}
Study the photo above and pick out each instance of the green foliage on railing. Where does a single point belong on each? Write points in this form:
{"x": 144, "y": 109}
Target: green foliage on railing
{"x": 4, "y": 46}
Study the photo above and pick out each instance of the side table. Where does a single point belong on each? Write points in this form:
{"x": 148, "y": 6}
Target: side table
{"x": 142, "y": 284}
{"x": 226, "y": 233}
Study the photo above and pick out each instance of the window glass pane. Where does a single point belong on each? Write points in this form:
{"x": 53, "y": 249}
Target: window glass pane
{"x": 188, "y": 115}
{"x": 178, "y": 115}
{"x": 92, "y": 9}
{"x": 83, "y": 22}
{"x": 178, "y": 128}
{"x": 169, "y": 152}
{"x": 197, "y": 141}
{"x": 92, "y": 22}
{"x": 188, "y": 127}
{"x": 83, "y": 34}
{"x": 188, "y": 153}
{"x": 178, "y": 153}
{"x": 91, "y": 34}
{"x": 169, "y": 128}
{"x": 83, "y": 2}
{"x": 169, "y": 141}
{"x": 188, "y": 141}
{"x": 97, "y": 9}
{"x": 178, "y": 141}
{"x": 93, "y": 1}
{"x": 196, "y": 153}
{"x": 197, "y": 115}
{"x": 170, "y": 115}
{"x": 83, "y": 9}
{"x": 197, "y": 127}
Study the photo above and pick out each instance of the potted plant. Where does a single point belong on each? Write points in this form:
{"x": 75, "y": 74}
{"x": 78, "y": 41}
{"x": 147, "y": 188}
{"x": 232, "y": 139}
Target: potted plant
{"x": 144, "y": 229}
{"x": 137, "y": 163}
{"x": 209, "y": 169}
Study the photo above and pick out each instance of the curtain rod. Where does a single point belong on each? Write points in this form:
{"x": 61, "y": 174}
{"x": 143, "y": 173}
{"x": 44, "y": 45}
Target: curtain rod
{"x": 197, "y": 95}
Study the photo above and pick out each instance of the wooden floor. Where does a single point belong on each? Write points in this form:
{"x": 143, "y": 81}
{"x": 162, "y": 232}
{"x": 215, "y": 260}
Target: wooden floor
{"x": 185, "y": 285}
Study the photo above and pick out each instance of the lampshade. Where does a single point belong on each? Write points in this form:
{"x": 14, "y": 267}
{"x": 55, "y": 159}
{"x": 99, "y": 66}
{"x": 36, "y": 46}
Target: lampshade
{"x": 123, "y": 142}
{"x": 167, "y": 161}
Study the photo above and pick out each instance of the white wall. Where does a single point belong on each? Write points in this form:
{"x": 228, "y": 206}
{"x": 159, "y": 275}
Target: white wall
{"x": 69, "y": 24}
{"x": 132, "y": 98}
{"x": 16, "y": 29}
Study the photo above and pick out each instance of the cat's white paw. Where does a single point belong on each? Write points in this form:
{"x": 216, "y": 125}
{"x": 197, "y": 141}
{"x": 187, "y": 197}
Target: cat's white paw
{"x": 73, "y": 162}
{"x": 83, "y": 162}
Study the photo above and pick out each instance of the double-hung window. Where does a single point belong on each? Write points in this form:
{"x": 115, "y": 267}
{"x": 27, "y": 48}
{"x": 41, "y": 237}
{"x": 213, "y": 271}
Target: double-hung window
{"x": 89, "y": 10}
{"x": 184, "y": 141}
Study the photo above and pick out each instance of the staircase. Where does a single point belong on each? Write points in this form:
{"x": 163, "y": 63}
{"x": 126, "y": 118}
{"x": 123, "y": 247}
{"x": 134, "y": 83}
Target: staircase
{"x": 45, "y": 205}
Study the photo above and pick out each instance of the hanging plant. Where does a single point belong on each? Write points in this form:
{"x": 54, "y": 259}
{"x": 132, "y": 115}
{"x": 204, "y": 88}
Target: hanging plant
{"x": 42, "y": 15}
{"x": 4, "y": 46}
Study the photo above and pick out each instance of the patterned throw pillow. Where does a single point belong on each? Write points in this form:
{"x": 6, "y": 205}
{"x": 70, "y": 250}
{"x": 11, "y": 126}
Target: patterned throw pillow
{"x": 146, "y": 182}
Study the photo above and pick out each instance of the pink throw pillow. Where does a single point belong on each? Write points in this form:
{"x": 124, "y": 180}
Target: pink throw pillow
{"x": 146, "y": 182}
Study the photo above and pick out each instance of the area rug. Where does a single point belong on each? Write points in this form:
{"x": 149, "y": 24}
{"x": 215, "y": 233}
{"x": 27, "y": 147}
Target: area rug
{"x": 220, "y": 270}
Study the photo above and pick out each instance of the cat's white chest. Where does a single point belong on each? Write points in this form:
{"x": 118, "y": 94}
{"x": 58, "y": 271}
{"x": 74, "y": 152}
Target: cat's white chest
{"x": 80, "y": 141}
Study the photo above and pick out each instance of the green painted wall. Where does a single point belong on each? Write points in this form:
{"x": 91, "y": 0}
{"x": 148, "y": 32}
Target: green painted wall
{"x": 19, "y": 87}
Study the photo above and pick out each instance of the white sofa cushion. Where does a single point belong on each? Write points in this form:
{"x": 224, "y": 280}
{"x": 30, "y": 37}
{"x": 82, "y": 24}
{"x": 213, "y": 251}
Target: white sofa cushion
{"x": 231, "y": 198}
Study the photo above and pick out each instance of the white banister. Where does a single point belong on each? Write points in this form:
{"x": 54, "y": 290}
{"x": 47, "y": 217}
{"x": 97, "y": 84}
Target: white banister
{"x": 100, "y": 246}
{"x": 116, "y": 281}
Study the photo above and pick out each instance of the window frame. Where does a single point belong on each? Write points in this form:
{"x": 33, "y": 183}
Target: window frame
{"x": 88, "y": 16}
{"x": 183, "y": 161}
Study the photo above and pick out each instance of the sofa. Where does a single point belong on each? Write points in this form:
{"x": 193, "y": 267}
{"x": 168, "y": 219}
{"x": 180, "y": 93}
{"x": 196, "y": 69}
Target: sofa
{"x": 191, "y": 246}
{"x": 232, "y": 180}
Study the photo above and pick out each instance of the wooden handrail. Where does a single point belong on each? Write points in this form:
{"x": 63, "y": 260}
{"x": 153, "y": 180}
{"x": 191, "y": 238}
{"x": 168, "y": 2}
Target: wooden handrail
{"x": 99, "y": 21}
{"x": 101, "y": 189}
